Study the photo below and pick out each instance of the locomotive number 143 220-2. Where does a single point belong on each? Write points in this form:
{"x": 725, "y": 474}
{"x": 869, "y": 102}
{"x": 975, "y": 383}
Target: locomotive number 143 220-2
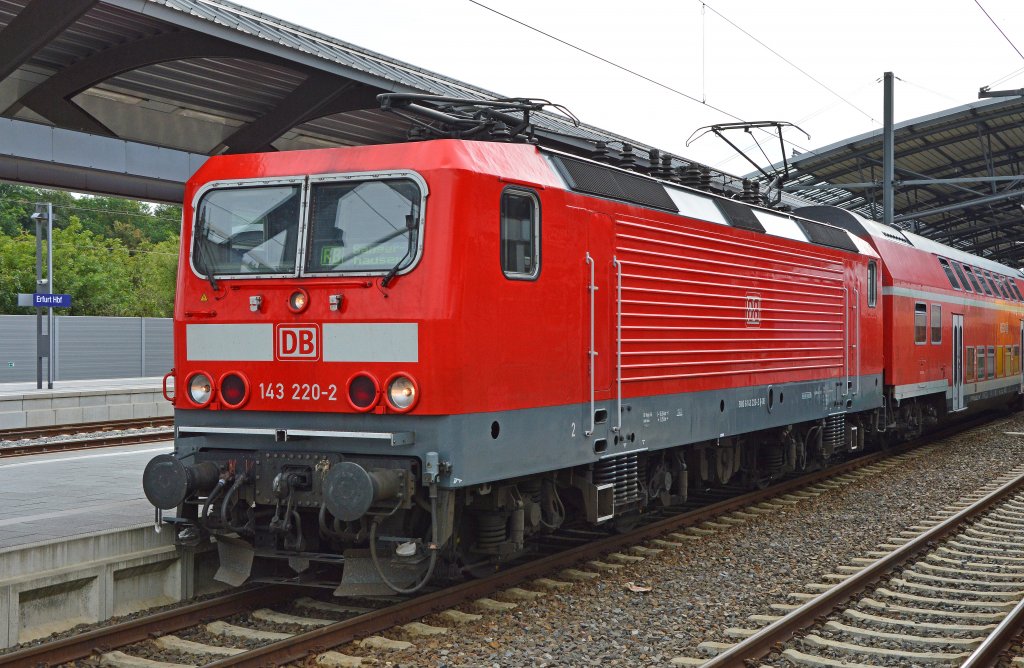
{"x": 299, "y": 391}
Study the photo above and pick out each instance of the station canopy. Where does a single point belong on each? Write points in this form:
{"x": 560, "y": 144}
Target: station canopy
{"x": 96, "y": 95}
{"x": 129, "y": 97}
{"x": 958, "y": 177}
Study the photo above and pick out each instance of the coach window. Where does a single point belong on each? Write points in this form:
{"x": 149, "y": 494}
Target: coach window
{"x": 960, "y": 275}
{"x": 520, "y": 234}
{"x": 920, "y": 323}
{"x": 1016, "y": 291}
{"x": 949, "y": 273}
{"x": 981, "y": 362}
{"x": 974, "y": 280}
{"x": 936, "y": 323}
{"x": 970, "y": 365}
{"x": 991, "y": 362}
{"x": 872, "y": 283}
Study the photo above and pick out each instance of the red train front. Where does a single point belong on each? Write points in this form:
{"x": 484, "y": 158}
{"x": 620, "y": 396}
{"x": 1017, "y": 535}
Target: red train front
{"x": 397, "y": 362}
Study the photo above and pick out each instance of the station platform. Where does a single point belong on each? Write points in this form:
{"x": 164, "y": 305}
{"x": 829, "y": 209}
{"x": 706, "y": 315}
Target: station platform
{"x": 23, "y": 406}
{"x": 63, "y": 494}
{"x": 77, "y": 543}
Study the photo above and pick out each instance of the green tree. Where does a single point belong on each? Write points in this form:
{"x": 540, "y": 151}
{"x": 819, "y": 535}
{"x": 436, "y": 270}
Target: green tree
{"x": 155, "y": 275}
{"x": 17, "y": 271}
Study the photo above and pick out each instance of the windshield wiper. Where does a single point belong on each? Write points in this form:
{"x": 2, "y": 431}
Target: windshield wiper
{"x": 410, "y": 225}
{"x": 204, "y": 258}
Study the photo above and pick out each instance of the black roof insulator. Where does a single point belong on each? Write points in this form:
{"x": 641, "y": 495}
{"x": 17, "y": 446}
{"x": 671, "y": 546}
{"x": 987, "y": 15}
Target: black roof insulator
{"x": 654, "y": 158}
{"x": 627, "y": 159}
{"x": 665, "y": 171}
{"x": 500, "y": 132}
{"x": 601, "y": 152}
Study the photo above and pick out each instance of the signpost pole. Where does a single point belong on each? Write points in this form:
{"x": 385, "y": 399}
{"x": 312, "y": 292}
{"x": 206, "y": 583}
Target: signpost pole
{"x": 39, "y": 311}
{"x": 44, "y": 342}
{"x": 51, "y": 339}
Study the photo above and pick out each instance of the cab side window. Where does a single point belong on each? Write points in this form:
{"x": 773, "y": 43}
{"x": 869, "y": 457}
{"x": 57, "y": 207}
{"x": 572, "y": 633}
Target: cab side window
{"x": 872, "y": 284}
{"x": 520, "y": 234}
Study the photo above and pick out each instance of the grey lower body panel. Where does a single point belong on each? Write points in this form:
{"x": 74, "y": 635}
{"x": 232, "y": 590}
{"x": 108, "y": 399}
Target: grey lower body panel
{"x": 484, "y": 447}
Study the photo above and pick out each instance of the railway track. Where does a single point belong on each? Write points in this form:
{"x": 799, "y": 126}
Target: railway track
{"x": 317, "y": 625}
{"x": 951, "y": 592}
{"x": 83, "y": 436}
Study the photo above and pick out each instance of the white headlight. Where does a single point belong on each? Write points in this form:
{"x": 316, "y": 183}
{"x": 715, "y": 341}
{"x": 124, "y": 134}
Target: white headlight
{"x": 401, "y": 392}
{"x": 200, "y": 388}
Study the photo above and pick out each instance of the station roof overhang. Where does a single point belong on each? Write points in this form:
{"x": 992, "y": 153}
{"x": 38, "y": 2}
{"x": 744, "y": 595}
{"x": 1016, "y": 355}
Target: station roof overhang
{"x": 958, "y": 177}
{"x": 129, "y": 97}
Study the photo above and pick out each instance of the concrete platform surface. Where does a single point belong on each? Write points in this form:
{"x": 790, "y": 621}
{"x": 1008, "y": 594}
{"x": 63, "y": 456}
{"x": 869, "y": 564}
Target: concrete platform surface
{"x": 94, "y": 385}
{"x": 82, "y": 401}
{"x": 59, "y": 495}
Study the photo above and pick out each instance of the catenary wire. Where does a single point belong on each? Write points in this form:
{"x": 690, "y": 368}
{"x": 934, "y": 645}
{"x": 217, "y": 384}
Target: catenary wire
{"x": 606, "y": 61}
{"x": 787, "y": 61}
{"x": 1008, "y": 40}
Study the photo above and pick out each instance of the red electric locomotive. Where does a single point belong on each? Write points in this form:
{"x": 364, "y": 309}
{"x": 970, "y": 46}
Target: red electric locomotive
{"x": 398, "y": 361}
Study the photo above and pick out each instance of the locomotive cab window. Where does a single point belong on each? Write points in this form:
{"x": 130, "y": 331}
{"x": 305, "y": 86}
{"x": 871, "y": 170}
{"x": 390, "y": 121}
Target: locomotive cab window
{"x": 363, "y": 226}
{"x": 936, "y": 323}
{"x": 920, "y": 323}
{"x": 520, "y": 234}
{"x": 872, "y": 284}
{"x": 247, "y": 230}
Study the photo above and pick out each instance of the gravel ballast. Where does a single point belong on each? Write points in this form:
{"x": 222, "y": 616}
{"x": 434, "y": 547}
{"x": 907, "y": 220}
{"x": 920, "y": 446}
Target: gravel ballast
{"x": 706, "y": 586}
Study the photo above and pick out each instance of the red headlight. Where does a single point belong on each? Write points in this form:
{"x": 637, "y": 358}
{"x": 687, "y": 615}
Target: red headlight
{"x": 363, "y": 392}
{"x": 234, "y": 389}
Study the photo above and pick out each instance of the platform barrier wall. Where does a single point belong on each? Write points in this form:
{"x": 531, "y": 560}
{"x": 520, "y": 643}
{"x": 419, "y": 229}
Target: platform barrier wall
{"x": 87, "y": 347}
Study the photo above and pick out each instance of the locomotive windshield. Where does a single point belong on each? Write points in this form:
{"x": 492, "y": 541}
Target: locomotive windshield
{"x": 251, "y": 230}
{"x": 363, "y": 226}
{"x": 353, "y": 226}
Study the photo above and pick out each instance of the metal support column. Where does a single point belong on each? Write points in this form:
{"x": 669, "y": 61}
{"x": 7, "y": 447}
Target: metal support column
{"x": 44, "y": 342}
{"x": 888, "y": 155}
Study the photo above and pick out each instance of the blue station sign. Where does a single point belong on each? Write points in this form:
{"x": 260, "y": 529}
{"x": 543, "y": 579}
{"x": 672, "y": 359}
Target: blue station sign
{"x": 44, "y": 300}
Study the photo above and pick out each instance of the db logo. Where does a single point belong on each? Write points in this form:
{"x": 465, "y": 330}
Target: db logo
{"x": 297, "y": 342}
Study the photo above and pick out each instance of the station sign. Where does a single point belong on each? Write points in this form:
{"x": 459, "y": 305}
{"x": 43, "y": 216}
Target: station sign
{"x": 44, "y": 300}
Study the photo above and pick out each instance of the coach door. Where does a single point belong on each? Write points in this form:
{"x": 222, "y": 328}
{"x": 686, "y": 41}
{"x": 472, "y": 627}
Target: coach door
{"x": 958, "y": 361}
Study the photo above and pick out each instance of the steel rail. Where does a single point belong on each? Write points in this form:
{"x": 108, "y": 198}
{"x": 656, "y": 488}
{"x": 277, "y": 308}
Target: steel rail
{"x": 82, "y": 645}
{"x": 299, "y": 646}
{"x": 1002, "y": 637}
{"x": 782, "y": 630}
{"x": 83, "y": 427}
{"x": 87, "y": 443}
